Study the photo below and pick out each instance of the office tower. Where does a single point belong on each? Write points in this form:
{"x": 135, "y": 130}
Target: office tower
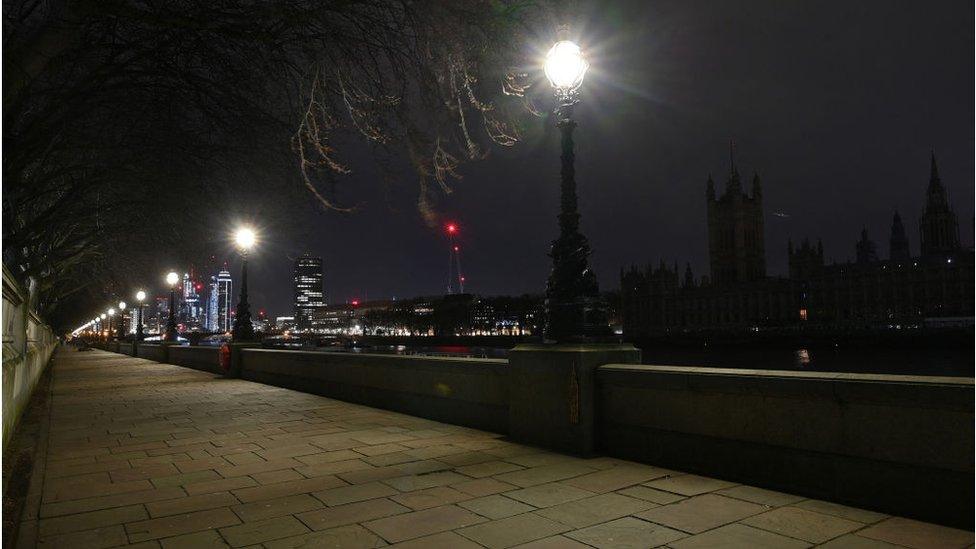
{"x": 213, "y": 299}
{"x": 225, "y": 295}
{"x": 308, "y": 290}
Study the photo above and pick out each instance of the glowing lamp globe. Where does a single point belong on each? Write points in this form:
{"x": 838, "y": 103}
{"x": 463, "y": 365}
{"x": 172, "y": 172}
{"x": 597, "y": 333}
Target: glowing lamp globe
{"x": 172, "y": 279}
{"x": 565, "y": 65}
{"x": 111, "y": 312}
{"x": 121, "y": 305}
{"x": 245, "y": 238}
{"x": 140, "y": 296}
{"x": 102, "y": 316}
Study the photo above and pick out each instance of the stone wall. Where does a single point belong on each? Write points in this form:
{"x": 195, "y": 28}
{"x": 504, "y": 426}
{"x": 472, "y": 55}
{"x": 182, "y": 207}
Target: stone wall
{"x": 197, "y": 357}
{"x": 470, "y": 392}
{"x": 27, "y": 347}
{"x": 898, "y": 444}
{"x": 151, "y": 352}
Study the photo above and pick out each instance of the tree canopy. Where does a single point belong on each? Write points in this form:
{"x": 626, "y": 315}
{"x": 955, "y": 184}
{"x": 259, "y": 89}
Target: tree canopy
{"x": 128, "y": 123}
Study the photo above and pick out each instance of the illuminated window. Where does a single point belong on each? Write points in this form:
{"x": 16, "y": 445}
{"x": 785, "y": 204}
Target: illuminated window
{"x": 803, "y": 314}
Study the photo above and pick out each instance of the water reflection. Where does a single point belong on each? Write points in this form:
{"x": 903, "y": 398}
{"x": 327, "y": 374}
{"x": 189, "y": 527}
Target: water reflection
{"x": 802, "y": 358}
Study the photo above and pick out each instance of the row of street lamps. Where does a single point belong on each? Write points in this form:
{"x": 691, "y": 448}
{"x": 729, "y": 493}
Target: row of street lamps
{"x": 242, "y": 331}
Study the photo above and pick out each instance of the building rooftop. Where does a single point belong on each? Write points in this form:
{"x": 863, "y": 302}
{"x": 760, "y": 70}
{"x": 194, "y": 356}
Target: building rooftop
{"x": 159, "y": 455}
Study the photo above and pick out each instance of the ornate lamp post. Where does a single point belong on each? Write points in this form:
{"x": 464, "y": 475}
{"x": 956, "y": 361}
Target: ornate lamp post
{"x": 172, "y": 279}
{"x": 101, "y": 326}
{"x": 140, "y": 298}
{"x": 110, "y": 329}
{"x": 573, "y": 310}
{"x": 243, "y": 329}
{"x": 121, "y": 332}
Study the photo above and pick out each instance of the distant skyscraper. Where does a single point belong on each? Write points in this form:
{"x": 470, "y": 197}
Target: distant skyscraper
{"x": 213, "y": 299}
{"x": 309, "y": 296}
{"x": 192, "y": 310}
{"x": 225, "y": 293}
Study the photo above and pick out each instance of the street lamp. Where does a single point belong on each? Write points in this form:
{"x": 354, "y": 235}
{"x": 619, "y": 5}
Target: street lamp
{"x": 573, "y": 311}
{"x": 140, "y": 298}
{"x": 243, "y": 330}
{"x": 172, "y": 279}
{"x": 121, "y": 319}
{"x": 101, "y": 325}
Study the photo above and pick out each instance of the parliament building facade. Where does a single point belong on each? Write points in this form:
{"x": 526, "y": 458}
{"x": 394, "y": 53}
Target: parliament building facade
{"x": 932, "y": 288}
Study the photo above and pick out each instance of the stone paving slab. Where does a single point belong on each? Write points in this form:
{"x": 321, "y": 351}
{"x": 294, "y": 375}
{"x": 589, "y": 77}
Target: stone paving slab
{"x": 153, "y": 455}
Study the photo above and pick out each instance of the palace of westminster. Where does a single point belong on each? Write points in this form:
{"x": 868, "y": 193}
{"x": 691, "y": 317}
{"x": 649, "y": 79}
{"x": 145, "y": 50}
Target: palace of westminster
{"x": 935, "y": 287}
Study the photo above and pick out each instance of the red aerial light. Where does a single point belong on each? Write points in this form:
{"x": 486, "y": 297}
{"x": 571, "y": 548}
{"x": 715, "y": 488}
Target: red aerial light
{"x": 462, "y": 279}
{"x": 355, "y": 303}
{"x": 456, "y": 248}
{"x": 451, "y": 228}
{"x": 199, "y": 286}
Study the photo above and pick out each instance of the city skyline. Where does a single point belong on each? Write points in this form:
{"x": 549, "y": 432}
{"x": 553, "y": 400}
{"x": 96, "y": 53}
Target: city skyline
{"x": 839, "y": 126}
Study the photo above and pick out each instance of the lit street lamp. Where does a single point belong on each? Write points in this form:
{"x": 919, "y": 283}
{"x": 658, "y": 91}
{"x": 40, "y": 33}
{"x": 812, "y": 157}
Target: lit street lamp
{"x": 101, "y": 325}
{"x": 172, "y": 279}
{"x": 573, "y": 310}
{"x": 121, "y": 332}
{"x": 243, "y": 329}
{"x": 140, "y": 298}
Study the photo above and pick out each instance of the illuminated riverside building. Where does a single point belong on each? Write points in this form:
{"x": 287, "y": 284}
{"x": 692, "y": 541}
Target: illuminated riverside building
{"x": 192, "y": 310}
{"x": 934, "y": 288}
{"x": 212, "y": 324}
{"x": 309, "y": 296}
{"x": 225, "y": 293}
{"x": 450, "y": 315}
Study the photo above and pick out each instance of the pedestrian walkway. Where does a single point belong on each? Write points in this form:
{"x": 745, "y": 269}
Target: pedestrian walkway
{"x": 155, "y": 455}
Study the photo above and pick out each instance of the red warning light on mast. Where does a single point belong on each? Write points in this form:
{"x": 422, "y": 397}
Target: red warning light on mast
{"x": 452, "y": 228}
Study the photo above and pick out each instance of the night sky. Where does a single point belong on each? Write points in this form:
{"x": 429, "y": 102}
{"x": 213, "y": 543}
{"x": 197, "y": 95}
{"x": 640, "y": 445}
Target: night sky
{"x": 835, "y": 104}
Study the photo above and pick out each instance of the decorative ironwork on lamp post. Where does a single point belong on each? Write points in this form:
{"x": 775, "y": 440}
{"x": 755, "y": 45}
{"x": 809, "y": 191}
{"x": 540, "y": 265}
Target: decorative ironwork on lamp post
{"x": 140, "y": 299}
{"x": 172, "y": 279}
{"x": 110, "y": 332}
{"x": 573, "y": 308}
{"x": 243, "y": 330}
{"x": 120, "y": 333}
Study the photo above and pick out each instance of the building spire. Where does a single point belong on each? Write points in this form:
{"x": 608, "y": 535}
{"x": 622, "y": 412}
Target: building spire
{"x": 933, "y": 170}
{"x": 732, "y": 170}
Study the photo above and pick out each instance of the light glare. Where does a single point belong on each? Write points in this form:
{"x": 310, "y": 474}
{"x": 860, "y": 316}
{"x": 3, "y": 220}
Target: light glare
{"x": 565, "y": 65}
{"x": 245, "y": 238}
{"x": 172, "y": 278}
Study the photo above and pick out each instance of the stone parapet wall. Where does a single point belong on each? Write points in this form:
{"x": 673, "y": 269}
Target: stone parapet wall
{"x": 470, "y": 392}
{"x": 903, "y": 442}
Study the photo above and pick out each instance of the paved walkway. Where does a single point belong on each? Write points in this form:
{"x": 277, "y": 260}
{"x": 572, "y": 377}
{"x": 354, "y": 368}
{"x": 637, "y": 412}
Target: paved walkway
{"x": 155, "y": 455}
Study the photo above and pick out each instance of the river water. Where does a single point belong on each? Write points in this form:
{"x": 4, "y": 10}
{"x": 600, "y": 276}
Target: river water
{"x": 948, "y": 360}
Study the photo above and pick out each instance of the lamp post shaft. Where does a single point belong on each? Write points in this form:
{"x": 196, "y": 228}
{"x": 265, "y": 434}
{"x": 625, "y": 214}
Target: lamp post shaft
{"x": 171, "y": 321}
{"x": 139, "y": 325}
{"x": 243, "y": 329}
{"x": 573, "y": 312}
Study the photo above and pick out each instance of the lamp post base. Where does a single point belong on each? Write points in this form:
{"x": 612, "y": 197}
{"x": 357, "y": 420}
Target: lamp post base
{"x": 552, "y": 395}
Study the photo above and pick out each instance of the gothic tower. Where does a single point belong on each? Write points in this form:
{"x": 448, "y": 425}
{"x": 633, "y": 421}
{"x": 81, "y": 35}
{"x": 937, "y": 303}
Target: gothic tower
{"x": 736, "y": 244}
{"x": 898, "y": 249}
{"x": 866, "y": 250}
{"x": 939, "y": 226}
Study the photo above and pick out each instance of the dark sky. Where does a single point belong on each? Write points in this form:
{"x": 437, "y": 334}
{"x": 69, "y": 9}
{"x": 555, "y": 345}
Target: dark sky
{"x": 836, "y": 104}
